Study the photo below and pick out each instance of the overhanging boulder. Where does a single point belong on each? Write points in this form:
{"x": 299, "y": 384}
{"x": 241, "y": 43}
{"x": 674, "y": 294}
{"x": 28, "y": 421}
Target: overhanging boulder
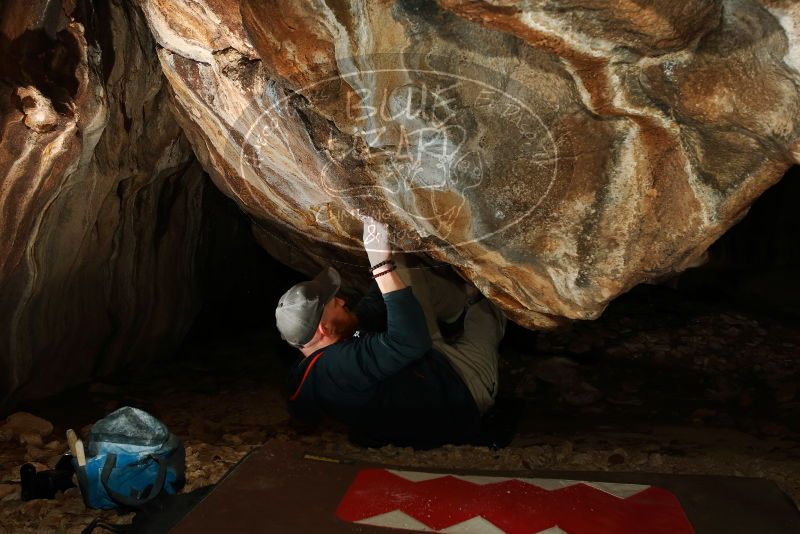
{"x": 556, "y": 155}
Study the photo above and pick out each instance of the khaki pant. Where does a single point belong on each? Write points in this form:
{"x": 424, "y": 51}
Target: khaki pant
{"x": 474, "y": 355}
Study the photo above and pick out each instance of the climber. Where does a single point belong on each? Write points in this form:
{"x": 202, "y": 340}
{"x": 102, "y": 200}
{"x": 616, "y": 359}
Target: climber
{"x": 385, "y": 368}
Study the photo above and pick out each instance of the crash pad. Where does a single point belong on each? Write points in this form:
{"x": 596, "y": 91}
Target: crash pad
{"x": 283, "y": 487}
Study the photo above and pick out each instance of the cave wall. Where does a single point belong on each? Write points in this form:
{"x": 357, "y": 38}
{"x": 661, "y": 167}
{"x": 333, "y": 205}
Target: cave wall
{"x": 555, "y": 153}
{"x": 99, "y": 201}
{"x": 583, "y": 146}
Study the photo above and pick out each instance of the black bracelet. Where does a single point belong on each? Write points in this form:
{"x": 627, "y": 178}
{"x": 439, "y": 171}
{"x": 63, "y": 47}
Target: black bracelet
{"x": 384, "y": 272}
{"x": 382, "y": 263}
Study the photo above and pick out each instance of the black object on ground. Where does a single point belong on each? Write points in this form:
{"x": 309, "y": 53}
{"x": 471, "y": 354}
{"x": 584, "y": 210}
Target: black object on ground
{"x": 500, "y": 423}
{"x": 45, "y": 484}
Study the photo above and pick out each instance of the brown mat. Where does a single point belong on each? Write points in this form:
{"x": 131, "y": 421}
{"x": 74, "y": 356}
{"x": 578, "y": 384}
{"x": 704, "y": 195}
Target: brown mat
{"x": 280, "y": 488}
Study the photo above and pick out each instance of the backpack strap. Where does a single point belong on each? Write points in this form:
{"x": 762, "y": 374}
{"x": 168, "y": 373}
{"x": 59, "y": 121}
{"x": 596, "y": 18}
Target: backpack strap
{"x": 133, "y": 502}
{"x": 96, "y": 523}
{"x": 305, "y": 375}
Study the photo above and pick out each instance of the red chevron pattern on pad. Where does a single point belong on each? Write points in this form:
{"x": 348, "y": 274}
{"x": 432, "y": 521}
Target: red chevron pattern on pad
{"x": 449, "y": 503}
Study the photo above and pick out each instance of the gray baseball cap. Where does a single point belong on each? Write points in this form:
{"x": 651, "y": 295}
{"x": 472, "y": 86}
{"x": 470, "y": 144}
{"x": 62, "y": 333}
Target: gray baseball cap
{"x": 300, "y": 309}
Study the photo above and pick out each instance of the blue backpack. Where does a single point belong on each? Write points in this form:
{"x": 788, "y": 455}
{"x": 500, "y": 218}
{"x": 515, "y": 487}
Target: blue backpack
{"x": 131, "y": 458}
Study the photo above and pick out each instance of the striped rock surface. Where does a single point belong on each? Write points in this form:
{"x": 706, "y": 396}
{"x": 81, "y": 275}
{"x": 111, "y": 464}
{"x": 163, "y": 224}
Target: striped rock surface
{"x": 99, "y": 198}
{"x": 555, "y": 154}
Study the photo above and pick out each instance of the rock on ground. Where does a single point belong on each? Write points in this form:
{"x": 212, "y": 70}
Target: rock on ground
{"x": 24, "y": 423}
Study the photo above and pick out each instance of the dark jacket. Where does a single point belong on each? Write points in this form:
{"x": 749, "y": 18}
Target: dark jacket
{"x": 387, "y": 381}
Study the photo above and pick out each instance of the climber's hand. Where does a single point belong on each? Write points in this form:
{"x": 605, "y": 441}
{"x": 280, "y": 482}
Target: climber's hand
{"x": 376, "y": 240}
